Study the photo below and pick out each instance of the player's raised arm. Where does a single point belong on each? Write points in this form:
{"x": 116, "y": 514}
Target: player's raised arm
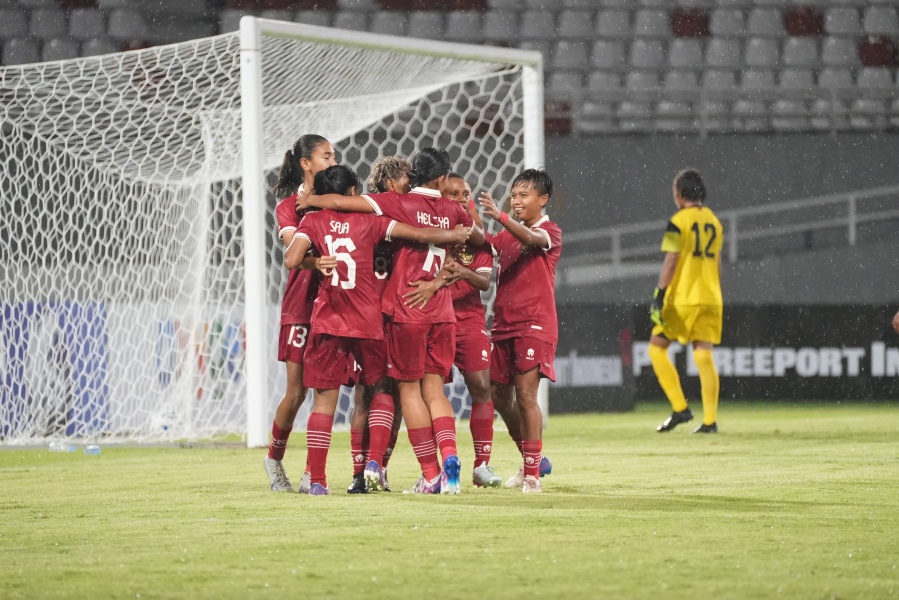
{"x": 335, "y": 202}
{"x": 430, "y": 235}
{"x": 521, "y": 232}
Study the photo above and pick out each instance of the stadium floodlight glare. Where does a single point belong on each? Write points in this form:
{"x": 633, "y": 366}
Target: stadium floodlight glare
{"x": 140, "y": 275}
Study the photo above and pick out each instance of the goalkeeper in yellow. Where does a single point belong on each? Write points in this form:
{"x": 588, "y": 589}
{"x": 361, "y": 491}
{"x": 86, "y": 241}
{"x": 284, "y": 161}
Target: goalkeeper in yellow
{"x": 687, "y": 305}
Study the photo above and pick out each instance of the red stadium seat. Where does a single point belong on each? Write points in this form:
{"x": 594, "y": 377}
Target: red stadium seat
{"x": 877, "y": 52}
{"x": 468, "y": 5}
{"x": 804, "y": 21}
{"x": 689, "y": 22}
{"x": 556, "y": 118}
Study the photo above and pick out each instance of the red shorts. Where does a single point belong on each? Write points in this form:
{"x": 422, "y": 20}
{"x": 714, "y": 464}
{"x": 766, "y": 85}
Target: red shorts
{"x": 414, "y": 349}
{"x": 292, "y": 343}
{"x": 472, "y": 350}
{"x": 330, "y": 361}
{"x": 515, "y": 356}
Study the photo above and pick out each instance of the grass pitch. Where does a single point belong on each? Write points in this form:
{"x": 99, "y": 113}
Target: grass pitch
{"x": 786, "y": 502}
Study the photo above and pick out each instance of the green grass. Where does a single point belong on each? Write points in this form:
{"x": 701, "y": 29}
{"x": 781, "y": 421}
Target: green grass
{"x": 786, "y": 502}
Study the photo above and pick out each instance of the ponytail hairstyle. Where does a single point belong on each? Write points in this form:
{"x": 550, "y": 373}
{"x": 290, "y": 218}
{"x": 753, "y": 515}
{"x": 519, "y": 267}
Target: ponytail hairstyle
{"x": 335, "y": 180}
{"x": 292, "y": 176}
{"x": 389, "y": 167}
{"x": 428, "y": 165}
{"x": 689, "y": 185}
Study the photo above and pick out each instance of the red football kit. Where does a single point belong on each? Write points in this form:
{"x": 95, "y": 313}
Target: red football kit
{"x": 346, "y": 319}
{"x": 420, "y": 340}
{"x": 472, "y": 340}
{"x": 299, "y": 293}
{"x": 525, "y": 325}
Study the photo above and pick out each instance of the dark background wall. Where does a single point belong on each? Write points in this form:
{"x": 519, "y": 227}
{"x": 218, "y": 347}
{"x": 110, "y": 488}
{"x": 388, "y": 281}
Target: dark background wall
{"x": 609, "y": 180}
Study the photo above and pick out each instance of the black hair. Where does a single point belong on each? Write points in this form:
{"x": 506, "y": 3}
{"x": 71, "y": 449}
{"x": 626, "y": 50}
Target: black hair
{"x": 292, "y": 176}
{"x": 454, "y": 175}
{"x": 336, "y": 179}
{"x": 689, "y": 185}
{"x": 539, "y": 180}
{"x": 428, "y": 165}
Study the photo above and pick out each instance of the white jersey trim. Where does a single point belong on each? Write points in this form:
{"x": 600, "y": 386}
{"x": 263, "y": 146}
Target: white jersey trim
{"x": 390, "y": 230}
{"x": 374, "y": 204}
{"x": 426, "y": 192}
{"x": 536, "y": 227}
{"x": 484, "y": 270}
{"x": 284, "y": 230}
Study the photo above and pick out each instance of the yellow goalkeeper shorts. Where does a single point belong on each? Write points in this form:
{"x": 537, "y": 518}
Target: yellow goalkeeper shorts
{"x": 687, "y": 324}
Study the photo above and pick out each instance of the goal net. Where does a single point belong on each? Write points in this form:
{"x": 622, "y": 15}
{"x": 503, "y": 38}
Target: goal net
{"x": 140, "y": 271}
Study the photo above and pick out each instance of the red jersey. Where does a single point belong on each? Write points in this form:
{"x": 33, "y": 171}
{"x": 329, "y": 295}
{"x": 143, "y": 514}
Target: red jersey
{"x": 383, "y": 265}
{"x": 466, "y": 298}
{"x": 302, "y": 285}
{"x": 347, "y": 304}
{"x": 412, "y": 261}
{"x": 525, "y": 291}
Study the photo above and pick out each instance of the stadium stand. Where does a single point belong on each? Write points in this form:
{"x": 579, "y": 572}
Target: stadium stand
{"x": 610, "y": 65}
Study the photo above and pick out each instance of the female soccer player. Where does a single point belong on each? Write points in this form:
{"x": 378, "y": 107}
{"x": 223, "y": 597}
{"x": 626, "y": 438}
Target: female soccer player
{"x": 309, "y": 155}
{"x": 469, "y": 274}
{"x": 421, "y": 341}
{"x": 388, "y": 174}
{"x": 687, "y": 305}
{"x": 346, "y": 321}
{"x": 525, "y": 326}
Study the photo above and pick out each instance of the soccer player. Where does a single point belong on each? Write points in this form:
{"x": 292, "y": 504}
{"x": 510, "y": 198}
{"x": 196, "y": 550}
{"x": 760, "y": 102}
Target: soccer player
{"x": 525, "y": 325}
{"x": 687, "y": 304}
{"x": 388, "y": 174}
{"x": 468, "y": 272}
{"x": 346, "y": 322}
{"x": 421, "y": 341}
{"x": 309, "y": 155}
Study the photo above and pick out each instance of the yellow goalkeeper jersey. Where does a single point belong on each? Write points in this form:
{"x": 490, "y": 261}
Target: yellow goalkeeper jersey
{"x": 695, "y": 234}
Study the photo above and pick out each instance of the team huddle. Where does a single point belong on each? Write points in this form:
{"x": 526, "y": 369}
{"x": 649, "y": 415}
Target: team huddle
{"x": 383, "y": 293}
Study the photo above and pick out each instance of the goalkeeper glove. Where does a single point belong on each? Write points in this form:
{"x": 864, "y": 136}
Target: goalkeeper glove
{"x": 655, "y": 309}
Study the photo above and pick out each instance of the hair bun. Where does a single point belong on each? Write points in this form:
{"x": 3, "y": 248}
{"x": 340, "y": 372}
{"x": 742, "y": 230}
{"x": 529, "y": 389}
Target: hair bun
{"x": 412, "y": 174}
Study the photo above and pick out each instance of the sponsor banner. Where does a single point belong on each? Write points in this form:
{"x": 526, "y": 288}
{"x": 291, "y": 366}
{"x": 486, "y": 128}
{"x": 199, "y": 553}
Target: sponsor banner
{"x": 53, "y": 369}
{"x": 593, "y": 360}
{"x": 789, "y": 353}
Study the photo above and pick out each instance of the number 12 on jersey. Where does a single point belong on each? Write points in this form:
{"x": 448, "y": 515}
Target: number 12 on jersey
{"x": 713, "y": 233}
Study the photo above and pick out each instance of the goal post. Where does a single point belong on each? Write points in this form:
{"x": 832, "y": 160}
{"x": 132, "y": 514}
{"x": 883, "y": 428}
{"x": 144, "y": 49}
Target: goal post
{"x": 140, "y": 274}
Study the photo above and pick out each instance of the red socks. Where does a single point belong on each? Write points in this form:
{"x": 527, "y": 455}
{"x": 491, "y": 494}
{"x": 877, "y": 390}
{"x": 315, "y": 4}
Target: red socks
{"x": 422, "y": 440}
{"x": 394, "y": 434}
{"x": 318, "y": 440}
{"x": 481, "y": 424}
{"x": 445, "y": 434}
{"x": 357, "y": 451}
{"x": 515, "y": 434}
{"x": 533, "y": 451}
{"x": 380, "y": 423}
{"x": 279, "y": 442}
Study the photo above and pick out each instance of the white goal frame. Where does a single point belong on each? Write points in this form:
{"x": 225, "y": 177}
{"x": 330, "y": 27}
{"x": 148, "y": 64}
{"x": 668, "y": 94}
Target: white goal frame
{"x": 253, "y": 188}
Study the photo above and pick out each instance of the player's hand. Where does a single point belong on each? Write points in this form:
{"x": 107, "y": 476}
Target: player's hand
{"x": 422, "y": 294}
{"x": 896, "y": 322}
{"x": 454, "y": 271}
{"x": 655, "y": 309}
{"x": 325, "y": 264}
{"x": 490, "y": 208}
{"x": 460, "y": 234}
{"x": 302, "y": 202}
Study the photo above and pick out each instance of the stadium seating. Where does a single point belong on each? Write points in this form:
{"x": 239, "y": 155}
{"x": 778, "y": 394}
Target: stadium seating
{"x": 728, "y": 64}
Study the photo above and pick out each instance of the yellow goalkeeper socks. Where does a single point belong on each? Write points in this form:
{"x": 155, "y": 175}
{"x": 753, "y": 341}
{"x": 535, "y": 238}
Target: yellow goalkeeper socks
{"x": 668, "y": 379}
{"x": 708, "y": 377}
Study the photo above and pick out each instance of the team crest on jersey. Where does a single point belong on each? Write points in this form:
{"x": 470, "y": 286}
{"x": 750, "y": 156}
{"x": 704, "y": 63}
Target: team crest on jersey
{"x": 466, "y": 256}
